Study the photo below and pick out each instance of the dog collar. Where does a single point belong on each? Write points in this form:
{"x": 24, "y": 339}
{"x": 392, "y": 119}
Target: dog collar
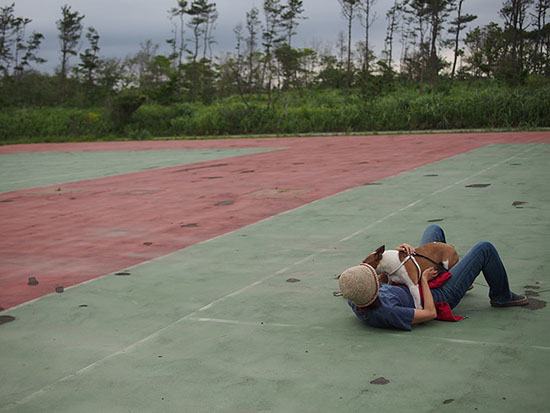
{"x": 402, "y": 263}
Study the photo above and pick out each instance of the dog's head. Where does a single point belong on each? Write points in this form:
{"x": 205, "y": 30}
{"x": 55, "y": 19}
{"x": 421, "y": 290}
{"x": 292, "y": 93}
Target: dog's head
{"x": 374, "y": 258}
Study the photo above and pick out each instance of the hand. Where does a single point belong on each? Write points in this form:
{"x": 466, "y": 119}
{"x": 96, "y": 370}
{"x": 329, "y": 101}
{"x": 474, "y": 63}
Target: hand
{"x": 429, "y": 274}
{"x": 406, "y": 248}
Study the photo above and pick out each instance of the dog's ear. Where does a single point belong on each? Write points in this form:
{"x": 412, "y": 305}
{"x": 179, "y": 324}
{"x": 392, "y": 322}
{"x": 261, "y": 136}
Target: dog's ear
{"x": 379, "y": 251}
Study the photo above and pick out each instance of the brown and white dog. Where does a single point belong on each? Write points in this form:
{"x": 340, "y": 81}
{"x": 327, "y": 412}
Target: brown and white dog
{"x": 402, "y": 268}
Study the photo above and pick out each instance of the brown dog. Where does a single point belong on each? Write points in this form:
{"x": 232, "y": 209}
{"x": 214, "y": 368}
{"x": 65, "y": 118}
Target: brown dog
{"x": 406, "y": 269}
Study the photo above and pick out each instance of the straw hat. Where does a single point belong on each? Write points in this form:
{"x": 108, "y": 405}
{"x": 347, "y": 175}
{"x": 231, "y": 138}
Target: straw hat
{"x": 359, "y": 284}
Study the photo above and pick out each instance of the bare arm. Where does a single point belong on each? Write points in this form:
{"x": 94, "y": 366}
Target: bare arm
{"x": 428, "y": 312}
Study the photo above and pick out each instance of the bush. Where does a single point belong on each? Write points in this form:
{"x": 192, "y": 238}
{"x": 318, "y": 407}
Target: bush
{"x": 57, "y": 123}
{"x": 313, "y": 111}
{"x": 121, "y": 107}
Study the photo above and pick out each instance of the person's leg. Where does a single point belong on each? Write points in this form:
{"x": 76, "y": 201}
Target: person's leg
{"x": 483, "y": 257}
{"x": 434, "y": 233}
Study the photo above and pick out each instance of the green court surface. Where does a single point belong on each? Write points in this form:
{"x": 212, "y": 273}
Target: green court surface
{"x": 29, "y": 170}
{"x": 248, "y": 322}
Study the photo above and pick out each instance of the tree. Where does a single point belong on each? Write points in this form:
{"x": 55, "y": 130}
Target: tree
{"x": 89, "y": 61}
{"x": 210, "y": 17}
{"x": 232, "y": 70}
{"x": 178, "y": 41}
{"x": 6, "y": 37}
{"x": 368, "y": 18}
{"x": 391, "y": 17}
{"x": 408, "y": 36}
{"x": 197, "y": 20}
{"x": 19, "y": 26}
{"x": 436, "y": 12}
{"x": 331, "y": 73}
{"x": 203, "y": 17}
{"x": 70, "y": 31}
{"x": 16, "y": 50}
{"x": 138, "y": 67}
{"x": 541, "y": 38}
{"x": 30, "y": 49}
{"x": 417, "y": 63}
{"x": 292, "y": 62}
{"x": 271, "y": 38}
{"x": 252, "y": 25}
{"x": 109, "y": 75}
{"x": 290, "y": 15}
{"x": 349, "y": 10}
{"x": 486, "y": 48}
{"x": 514, "y": 13}
{"x": 457, "y": 25}
{"x": 288, "y": 57}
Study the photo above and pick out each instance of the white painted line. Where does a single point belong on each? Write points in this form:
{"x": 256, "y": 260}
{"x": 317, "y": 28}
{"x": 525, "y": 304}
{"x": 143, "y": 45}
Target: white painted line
{"x": 237, "y": 322}
{"x": 472, "y": 342}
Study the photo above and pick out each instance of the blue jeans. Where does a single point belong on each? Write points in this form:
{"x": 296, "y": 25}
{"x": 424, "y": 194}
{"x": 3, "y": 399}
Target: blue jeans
{"x": 483, "y": 257}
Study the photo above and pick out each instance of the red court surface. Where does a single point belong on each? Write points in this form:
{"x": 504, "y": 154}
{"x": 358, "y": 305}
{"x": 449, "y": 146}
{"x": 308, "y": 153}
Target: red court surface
{"x": 99, "y": 226}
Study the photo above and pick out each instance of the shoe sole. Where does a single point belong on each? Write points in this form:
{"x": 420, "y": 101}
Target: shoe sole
{"x": 518, "y": 303}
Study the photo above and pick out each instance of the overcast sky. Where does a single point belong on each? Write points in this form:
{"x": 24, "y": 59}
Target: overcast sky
{"x": 124, "y": 24}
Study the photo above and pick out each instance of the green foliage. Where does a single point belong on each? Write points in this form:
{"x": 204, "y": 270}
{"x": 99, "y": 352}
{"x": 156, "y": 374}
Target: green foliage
{"x": 51, "y": 123}
{"x": 463, "y": 106}
{"x": 121, "y": 107}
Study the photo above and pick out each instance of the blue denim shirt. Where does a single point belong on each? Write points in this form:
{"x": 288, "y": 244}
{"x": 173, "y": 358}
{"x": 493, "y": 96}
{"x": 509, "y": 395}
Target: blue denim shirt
{"x": 396, "y": 309}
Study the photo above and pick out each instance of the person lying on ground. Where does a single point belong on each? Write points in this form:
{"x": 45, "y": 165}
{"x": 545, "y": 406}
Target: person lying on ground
{"x": 389, "y": 306}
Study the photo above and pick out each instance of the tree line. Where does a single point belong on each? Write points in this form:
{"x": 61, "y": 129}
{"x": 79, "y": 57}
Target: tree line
{"x": 265, "y": 59}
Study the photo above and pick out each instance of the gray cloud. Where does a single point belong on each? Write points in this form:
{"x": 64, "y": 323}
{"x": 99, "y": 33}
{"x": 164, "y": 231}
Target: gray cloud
{"x": 124, "y": 24}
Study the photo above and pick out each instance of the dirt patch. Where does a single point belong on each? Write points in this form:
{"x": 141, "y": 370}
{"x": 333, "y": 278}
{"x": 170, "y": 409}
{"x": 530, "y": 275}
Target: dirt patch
{"x": 217, "y": 165}
{"x": 478, "y": 186}
{"x": 518, "y": 204}
{"x": 535, "y": 304}
{"x": 225, "y": 203}
{"x": 6, "y": 319}
{"x": 380, "y": 380}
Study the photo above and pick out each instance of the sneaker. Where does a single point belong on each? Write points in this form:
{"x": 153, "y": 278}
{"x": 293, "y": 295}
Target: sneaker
{"x": 515, "y": 301}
